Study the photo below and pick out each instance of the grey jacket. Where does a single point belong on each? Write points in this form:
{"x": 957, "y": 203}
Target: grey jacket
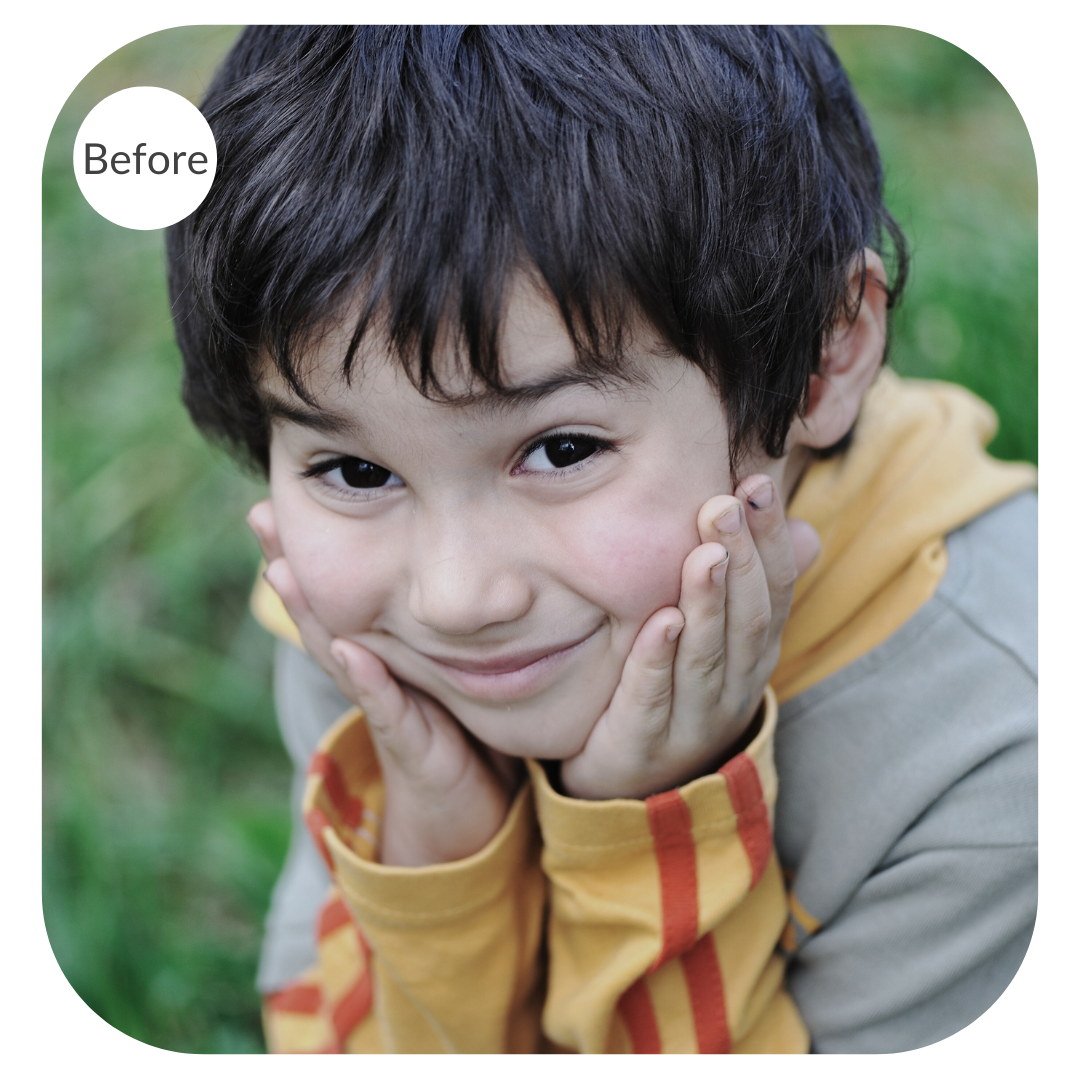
{"x": 906, "y": 816}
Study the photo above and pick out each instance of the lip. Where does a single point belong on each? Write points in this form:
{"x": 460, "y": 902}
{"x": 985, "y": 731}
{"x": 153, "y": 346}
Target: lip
{"x": 511, "y": 675}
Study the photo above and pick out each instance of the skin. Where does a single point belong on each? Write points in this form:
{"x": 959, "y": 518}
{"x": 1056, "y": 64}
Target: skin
{"x": 621, "y": 614}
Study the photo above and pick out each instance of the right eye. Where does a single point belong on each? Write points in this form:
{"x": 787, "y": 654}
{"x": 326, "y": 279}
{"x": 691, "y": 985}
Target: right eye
{"x": 561, "y": 452}
{"x": 353, "y": 473}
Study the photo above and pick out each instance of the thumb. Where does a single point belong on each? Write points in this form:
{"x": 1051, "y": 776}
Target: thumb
{"x": 805, "y": 543}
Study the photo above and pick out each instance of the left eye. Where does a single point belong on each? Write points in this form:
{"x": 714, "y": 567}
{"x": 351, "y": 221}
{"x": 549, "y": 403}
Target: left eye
{"x": 350, "y": 473}
{"x": 358, "y": 473}
{"x": 560, "y": 452}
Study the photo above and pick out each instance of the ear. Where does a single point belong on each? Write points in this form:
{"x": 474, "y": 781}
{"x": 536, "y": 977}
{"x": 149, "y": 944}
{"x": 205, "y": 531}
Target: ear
{"x": 849, "y": 361}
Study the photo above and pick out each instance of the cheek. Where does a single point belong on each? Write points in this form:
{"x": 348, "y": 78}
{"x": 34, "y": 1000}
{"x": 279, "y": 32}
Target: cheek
{"x": 631, "y": 564}
{"x": 334, "y": 570}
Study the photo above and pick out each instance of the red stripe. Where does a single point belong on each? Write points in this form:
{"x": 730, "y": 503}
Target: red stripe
{"x": 670, "y": 824}
{"x": 636, "y": 1009}
{"x": 350, "y": 809}
{"x": 298, "y": 998}
{"x": 353, "y": 1007}
{"x": 316, "y": 821}
{"x": 748, "y": 802}
{"x": 702, "y": 970}
{"x": 333, "y": 916}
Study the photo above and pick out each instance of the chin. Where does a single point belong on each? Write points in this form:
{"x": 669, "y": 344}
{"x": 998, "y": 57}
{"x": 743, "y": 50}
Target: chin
{"x": 516, "y": 731}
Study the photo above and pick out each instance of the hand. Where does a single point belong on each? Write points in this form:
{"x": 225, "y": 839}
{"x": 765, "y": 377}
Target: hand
{"x": 696, "y": 674}
{"x": 445, "y": 799}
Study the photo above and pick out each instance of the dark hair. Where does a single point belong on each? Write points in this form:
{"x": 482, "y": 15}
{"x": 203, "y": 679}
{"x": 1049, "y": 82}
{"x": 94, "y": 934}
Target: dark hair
{"x": 717, "y": 180}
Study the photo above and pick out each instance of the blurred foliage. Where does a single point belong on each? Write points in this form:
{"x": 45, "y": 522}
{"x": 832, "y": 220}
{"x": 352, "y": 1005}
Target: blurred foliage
{"x": 165, "y": 786}
{"x": 961, "y": 181}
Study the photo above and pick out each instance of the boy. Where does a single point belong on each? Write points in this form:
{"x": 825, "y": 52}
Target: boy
{"x": 537, "y": 333}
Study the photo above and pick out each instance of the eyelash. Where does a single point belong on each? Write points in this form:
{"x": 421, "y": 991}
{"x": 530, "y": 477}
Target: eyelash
{"x": 321, "y": 468}
{"x": 603, "y": 446}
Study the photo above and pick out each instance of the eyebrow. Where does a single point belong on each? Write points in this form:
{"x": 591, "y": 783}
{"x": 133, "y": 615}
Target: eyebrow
{"x": 520, "y": 398}
{"x": 325, "y": 421}
{"x": 498, "y": 401}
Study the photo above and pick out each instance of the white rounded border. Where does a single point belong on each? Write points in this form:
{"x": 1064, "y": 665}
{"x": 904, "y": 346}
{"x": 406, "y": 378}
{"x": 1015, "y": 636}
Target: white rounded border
{"x": 28, "y": 422}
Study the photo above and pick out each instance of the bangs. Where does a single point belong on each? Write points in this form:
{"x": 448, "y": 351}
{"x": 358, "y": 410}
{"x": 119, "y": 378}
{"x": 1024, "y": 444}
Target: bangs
{"x": 398, "y": 180}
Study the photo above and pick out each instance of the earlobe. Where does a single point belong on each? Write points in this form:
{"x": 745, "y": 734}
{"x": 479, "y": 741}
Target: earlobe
{"x": 849, "y": 362}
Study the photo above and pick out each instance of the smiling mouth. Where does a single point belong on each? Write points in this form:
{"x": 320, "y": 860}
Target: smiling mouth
{"x": 510, "y": 675}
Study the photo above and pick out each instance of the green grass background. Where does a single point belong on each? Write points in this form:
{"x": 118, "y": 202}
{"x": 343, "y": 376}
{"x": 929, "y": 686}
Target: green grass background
{"x": 165, "y": 785}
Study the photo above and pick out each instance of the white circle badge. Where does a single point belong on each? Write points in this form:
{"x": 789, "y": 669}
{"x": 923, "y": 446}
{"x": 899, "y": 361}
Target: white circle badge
{"x": 145, "y": 157}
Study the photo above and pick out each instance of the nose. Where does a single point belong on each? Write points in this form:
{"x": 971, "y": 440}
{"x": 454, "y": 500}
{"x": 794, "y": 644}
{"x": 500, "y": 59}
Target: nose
{"x": 466, "y": 579}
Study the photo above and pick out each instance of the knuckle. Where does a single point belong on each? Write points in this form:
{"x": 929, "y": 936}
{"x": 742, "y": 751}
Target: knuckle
{"x": 653, "y": 740}
{"x": 757, "y": 622}
{"x": 377, "y": 722}
{"x": 743, "y": 556}
{"x": 651, "y": 690}
{"x": 705, "y": 665}
{"x": 652, "y": 697}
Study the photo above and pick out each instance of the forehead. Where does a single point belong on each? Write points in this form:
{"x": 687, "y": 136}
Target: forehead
{"x": 537, "y": 359}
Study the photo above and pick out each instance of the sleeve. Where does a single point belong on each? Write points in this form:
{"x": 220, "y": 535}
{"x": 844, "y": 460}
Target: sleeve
{"x": 665, "y": 916}
{"x": 307, "y": 704}
{"x": 437, "y": 959}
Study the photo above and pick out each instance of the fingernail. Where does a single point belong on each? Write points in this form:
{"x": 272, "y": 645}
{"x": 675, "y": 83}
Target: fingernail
{"x": 730, "y": 521}
{"x": 674, "y": 631}
{"x": 718, "y": 571}
{"x": 338, "y": 653}
{"x": 761, "y": 498}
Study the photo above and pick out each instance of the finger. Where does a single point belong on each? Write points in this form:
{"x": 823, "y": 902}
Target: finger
{"x": 263, "y": 524}
{"x": 316, "y": 638}
{"x": 281, "y": 579}
{"x": 772, "y": 539}
{"x": 394, "y": 720}
{"x": 805, "y": 542}
{"x": 749, "y": 606}
{"x": 442, "y": 800}
{"x": 699, "y": 661}
{"x": 643, "y": 697}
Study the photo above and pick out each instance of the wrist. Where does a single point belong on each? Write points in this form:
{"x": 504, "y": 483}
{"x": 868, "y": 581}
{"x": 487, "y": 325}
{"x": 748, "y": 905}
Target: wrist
{"x": 422, "y": 827}
{"x": 652, "y": 774}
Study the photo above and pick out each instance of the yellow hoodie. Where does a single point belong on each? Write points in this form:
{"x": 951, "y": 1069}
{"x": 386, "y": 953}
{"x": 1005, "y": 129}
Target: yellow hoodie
{"x": 662, "y": 916}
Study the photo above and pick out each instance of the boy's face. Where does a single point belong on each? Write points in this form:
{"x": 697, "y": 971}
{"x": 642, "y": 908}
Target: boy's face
{"x": 500, "y": 556}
